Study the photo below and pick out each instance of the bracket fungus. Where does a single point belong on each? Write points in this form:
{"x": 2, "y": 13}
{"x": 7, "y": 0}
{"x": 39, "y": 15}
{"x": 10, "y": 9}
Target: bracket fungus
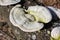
{"x": 56, "y": 10}
{"x": 8, "y": 2}
{"x": 23, "y": 20}
{"x": 55, "y": 33}
{"x": 42, "y": 14}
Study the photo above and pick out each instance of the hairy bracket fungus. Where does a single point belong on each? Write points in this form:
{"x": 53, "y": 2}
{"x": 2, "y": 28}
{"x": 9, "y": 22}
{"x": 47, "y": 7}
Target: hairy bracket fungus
{"x": 24, "y": 21}
{"x": 8, "y": 2}
{"x": 56, "y": 33}
{"x": 41, "y": 13}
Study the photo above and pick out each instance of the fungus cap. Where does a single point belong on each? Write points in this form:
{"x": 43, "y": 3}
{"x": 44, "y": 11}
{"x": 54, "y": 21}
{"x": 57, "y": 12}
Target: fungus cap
{"x": 19, "y": 19}
{"x": 56, "y": 10}
{"x": 8, "y": 2}
{"x": 55, "y": 33}
{"x": 41, "y": 13}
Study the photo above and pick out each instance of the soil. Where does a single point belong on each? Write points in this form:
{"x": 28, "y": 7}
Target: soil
{"x": 10, "y": 32}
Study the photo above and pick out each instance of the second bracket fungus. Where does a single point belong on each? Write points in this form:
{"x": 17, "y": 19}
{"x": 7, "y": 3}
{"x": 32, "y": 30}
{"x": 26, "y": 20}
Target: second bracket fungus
{"x": 56, "y": 10}
{"x": 56, "y": 33}
{"x": 8, "y": 2}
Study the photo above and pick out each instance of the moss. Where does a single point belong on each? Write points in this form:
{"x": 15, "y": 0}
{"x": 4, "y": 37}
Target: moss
{"x": 54, "y": 38}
